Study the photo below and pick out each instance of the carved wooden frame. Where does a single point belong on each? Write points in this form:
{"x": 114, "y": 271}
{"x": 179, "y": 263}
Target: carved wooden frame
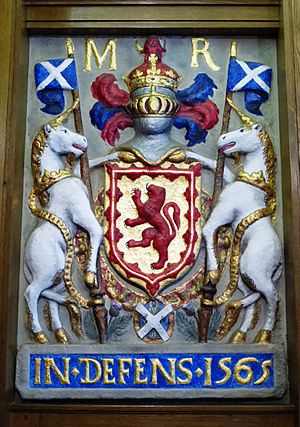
{"x": 279, "y": 19}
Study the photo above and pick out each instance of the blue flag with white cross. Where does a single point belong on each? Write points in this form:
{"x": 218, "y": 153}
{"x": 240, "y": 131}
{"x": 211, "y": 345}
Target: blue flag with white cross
{"x": 253, "y": 79}
{"x": 52, "y": 77}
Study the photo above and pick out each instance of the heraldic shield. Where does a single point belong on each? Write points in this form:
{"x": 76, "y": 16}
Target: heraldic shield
{"x": 152, "y": 230}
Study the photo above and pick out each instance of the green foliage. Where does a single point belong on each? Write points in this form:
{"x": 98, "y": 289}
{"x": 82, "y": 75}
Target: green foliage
{"x": 188, "y": 325}
{"x": 214, "y": 323}
{"x": 117, "y": 327}
{"x": 90, "y": 327}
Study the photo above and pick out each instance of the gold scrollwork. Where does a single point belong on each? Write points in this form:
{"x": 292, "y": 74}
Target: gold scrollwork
{"x": 129, "y": 298}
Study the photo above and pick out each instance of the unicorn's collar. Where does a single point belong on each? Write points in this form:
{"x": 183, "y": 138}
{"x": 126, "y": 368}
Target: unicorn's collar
{"x": 256, "y": 179}
{"x": 50, "y": 178}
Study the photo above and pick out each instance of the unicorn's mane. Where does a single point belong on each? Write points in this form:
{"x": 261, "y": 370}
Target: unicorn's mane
{"x": 270, "y": 162}
{"x": 38, "y": 146}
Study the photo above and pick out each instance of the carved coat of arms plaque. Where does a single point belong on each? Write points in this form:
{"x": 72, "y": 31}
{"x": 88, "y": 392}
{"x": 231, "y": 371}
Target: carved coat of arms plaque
{"x": 152, "y": 262}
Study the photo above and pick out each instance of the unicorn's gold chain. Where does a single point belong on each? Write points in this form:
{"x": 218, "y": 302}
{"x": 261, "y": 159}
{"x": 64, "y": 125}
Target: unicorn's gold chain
{"x": 83, "y": 302}
{"x": 235, "y": 253}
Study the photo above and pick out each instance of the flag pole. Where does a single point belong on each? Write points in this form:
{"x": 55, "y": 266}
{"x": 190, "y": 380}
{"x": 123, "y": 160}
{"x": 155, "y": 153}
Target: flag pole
{"x": 96, "y": 293}
{"x": 209, "y": 289}
{"x": 218, "y": 181}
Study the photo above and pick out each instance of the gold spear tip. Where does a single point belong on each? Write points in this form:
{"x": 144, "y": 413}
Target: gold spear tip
{"x": 70, "y": 47}
{"x": 233, "y": 49}
{"x": 138, "y": 46}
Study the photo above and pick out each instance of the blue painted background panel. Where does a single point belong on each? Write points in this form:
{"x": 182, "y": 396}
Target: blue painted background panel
{"x": 169, "y": 371}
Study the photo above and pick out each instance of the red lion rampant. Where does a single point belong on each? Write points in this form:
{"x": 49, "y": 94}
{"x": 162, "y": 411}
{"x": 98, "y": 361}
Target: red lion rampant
{"x": 163, "y": 229}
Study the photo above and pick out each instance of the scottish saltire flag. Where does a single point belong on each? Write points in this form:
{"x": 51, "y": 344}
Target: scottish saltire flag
{"x": 52, "y": 77}
{"x": 252, "y": 78}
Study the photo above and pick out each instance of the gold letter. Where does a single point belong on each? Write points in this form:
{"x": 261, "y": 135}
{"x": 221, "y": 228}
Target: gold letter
{"x": 185, "y": 371}
{"x": 169, "y": 377}
{"x": 266, "y": 372}
{"x": 139, "y": 370}
{"x": 87, "y": 379}
{"x": 204, "y": 52}
{"x": 226, "y": 370}
{"x": 63, "y": 378}
{"x": 240, "y": 366}
{"x": 37, "y": 379}
{"x": 207, "y": 370}
{"x": 90, "y": 48}
{"x": 122, "y": 370}
{"x": 108, "y": 371}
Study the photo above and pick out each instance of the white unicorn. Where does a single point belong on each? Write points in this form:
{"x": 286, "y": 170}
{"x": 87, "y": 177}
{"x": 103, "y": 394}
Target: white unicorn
{"x": 248, "y": 204}
{"x": 49, "y": 251}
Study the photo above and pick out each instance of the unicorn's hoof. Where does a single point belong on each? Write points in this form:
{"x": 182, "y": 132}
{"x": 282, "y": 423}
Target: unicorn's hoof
{"x": 61, "y": 336}
{"x": 263, "y": 337}
{"x": 90, "y": 279}
{"x": 238, "y": 337}
{"x": 40, "y": 338}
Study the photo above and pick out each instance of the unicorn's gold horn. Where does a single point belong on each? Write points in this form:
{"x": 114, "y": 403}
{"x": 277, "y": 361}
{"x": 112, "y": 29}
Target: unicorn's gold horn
{"x": 245, "y": 119}
{"x": 63, "y": 117}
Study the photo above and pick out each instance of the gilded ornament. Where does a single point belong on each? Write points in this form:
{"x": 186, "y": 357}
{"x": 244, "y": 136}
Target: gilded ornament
{"x": 90, "y": 279}
{"x": 232, "y": 313}
{"x": 69, "y": 47}
{"x": 238, "y": 337}
{"x": 263, "y": 337}
{"x": 75, "y": 317}
{"x": 256, "y": 314}
{"x": 130, "y": 154}
{"x": 61, "y": 336}
{"x": 149, "y": 75}
{"x": 40, "y": 338}
{"x": 129, "y": 298}
{"x": 152, "y": 104}
{"x": 212, "y": 276}
{"x": 244, "y": 118}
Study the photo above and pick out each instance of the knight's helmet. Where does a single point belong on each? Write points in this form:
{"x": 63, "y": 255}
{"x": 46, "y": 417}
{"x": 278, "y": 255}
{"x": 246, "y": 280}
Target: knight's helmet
{"x": 152, "y": 85}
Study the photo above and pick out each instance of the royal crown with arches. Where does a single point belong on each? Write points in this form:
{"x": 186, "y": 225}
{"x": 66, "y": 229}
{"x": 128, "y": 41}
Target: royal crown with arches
{"x": 153, "y": 92}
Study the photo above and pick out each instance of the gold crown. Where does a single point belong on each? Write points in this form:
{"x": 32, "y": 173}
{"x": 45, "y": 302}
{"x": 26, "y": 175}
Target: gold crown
{"x": 153, "y": 103}
{"x": 150, "y": 74}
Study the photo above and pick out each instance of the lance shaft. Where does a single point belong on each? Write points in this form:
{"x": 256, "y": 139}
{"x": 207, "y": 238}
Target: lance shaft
{"x": 97, "y": 294}
{"x": 218, "y": 181}
{"x": 209, "y": 289}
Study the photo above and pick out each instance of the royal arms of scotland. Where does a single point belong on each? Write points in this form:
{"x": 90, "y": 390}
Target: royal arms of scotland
{"x": 153, "y": 260}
